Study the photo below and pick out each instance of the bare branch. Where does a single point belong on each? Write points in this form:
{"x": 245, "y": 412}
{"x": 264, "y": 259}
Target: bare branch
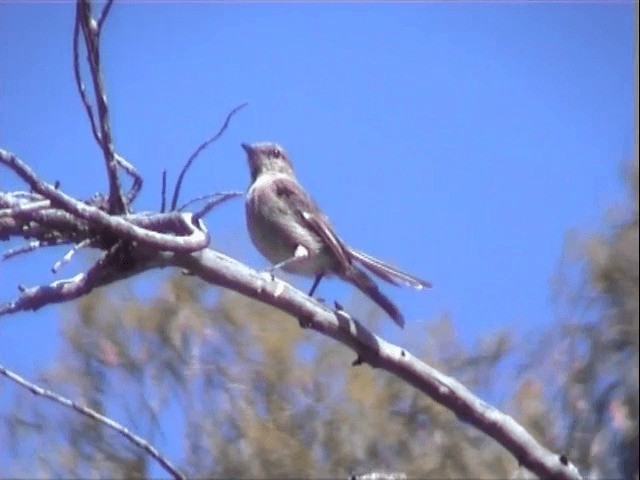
{"x": 17, "y": 198}
{"x": 132, "y": 194}
{"x": 111, "y": 154}
{"x": 31, "y": 246}
{"x": 76, "y": 73}
{"x": 44, "y": 225}
{"x": 198, "y": 151}
{"x": 213, "y": 199}
{"x": 108, "y": 269}
{"x": 49, "y": 226}
{"x": 90, "y": 33}
{"x": 163, "y": 191}
{"x": 214, "y": 202}
{"x": 219, "y": 269}
{"x": 60, "y": 291}
{"x": 93, "y": 415}
{"x": 67, "y": 256}
{"x": 25, "y": 207}
{"x": 103, "y": 15}
{"x": 197, "y": 238}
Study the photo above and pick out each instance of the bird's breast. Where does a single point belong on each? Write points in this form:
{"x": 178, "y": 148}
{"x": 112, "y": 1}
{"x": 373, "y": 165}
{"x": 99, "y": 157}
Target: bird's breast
{"x": 276, "y": 230}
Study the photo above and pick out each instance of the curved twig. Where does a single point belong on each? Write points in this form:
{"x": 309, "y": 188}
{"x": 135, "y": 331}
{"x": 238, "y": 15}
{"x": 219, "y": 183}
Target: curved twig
{"x": 198, "y": 151}
{"x": 104, "y": 14}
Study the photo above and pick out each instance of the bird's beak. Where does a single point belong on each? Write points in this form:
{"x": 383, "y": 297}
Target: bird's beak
{"x": 247, "y": 148}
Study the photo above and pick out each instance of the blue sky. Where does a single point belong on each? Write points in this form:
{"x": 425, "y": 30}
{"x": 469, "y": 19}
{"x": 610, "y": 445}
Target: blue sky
{"x": 458, "y": 141}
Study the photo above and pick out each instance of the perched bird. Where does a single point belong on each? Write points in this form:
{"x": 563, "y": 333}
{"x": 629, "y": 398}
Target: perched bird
{"x": 289, "y": 229}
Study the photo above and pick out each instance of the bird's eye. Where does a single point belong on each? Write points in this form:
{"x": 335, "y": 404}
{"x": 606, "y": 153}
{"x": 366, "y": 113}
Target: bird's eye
{"x": 277, "y": 153}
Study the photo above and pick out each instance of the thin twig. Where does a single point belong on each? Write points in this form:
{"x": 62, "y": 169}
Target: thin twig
{"x": 26, "y": 248}
{"x": 112, "y": 157}
{"x": 163, "y": 191}
{"x": 133, "y": 173}
{"x": 210, "y": 196}
{"x": 31, "y": 246}
{"x": 76, "y": 73}
{"x": 198, "y": 151}
{"x": 106, "y": 270}
{"x": 60, "y": 291}
{"x": 67, "y": 256}
{"x": 103, "y": 15}
{"x": 92, "y": 414}
{"x": 117, "y": 204}
{"x": 213, "y": 202}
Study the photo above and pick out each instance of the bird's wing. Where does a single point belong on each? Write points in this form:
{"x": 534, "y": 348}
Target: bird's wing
{"x": 309, "y": 214}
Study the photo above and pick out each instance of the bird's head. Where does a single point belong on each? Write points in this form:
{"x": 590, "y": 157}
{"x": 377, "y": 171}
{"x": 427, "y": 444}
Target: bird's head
{"x": 267, "y": 157}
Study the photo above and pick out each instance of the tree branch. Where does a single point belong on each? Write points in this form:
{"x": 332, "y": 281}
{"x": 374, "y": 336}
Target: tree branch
{"x": 93, "y": 415}
{"x": 219, "y": 269}
{"x": 199, "y": 150}
{"x": 197, "y": 238}
{"x": 91, "y": 34}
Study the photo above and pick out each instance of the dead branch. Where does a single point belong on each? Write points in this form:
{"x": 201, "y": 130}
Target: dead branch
{"x": 219, "y": 269}
{"x": 90, "y": 32}
{"x": 114, "y": 265}
{"x": 92, "y": 414}
{"x": 99, "y": 220}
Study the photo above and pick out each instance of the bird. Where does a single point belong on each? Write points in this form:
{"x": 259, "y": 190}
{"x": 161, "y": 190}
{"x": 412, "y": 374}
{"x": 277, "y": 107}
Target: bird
{"x": 288, "y": 228}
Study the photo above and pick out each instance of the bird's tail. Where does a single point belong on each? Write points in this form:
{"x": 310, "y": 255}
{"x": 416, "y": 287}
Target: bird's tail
{"x": 387, "y": 272}
{"x": 367, "y": 286}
